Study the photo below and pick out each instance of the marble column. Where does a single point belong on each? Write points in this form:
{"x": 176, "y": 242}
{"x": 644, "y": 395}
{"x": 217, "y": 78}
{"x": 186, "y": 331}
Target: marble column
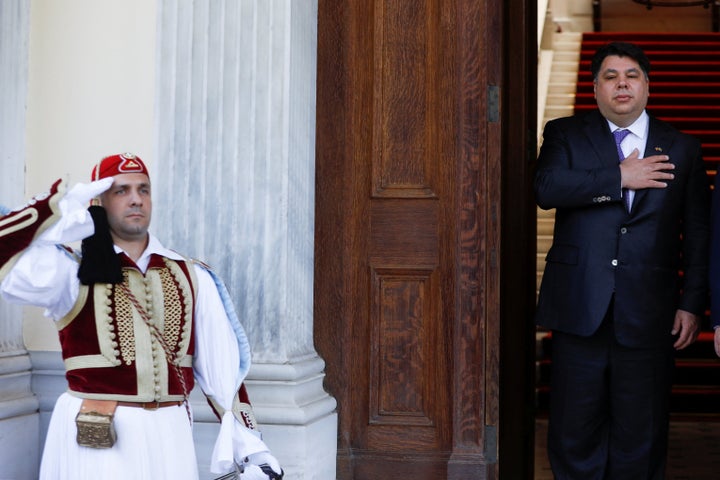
{"x": 236, "y": 140}
{"x": 19, "y": 420}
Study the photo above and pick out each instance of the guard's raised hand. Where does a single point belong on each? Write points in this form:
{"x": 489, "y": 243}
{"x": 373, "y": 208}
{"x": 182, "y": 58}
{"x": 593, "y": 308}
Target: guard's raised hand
{"x": 83, "y": 193}
{"x": 75, "y": 222}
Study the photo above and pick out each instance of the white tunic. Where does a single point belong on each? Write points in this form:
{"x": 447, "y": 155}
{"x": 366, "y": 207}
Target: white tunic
{"x": 154, "y": 444}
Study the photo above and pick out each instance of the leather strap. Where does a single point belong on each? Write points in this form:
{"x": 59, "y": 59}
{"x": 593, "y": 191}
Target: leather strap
{"x": 150, "y": 405}
{"x": 103, "y": 407}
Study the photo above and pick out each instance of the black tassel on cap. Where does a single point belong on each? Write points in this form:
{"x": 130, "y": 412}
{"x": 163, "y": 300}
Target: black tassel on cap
{"x": 99, "y": 263}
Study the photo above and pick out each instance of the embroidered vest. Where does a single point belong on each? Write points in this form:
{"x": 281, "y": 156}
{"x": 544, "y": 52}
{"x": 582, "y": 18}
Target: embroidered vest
{"x": 110, "y": 353}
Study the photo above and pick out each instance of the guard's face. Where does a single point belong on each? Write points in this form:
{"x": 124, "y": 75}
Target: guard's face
{"x": 129, "y": 206}
{"x": 621, "y": 90}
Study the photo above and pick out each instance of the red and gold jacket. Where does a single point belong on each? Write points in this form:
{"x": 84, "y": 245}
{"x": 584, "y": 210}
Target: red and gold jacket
{"x": 110, "y": 352}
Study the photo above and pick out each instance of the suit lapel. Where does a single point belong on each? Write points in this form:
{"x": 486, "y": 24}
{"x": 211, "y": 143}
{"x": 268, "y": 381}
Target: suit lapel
{"x": 660, "y": 139}
{"x": 598, "y": 133}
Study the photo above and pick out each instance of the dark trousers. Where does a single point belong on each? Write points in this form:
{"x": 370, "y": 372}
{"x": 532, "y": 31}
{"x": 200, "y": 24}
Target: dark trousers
{"x": 609, "y": 408}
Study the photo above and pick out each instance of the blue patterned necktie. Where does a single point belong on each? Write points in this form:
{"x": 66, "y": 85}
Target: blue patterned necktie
{"x": 619, "y": 137}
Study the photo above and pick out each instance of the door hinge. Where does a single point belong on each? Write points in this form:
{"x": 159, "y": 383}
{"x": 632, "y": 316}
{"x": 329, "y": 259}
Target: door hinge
{"x": 493, "y": 103}
{"x": 490, "y": 444}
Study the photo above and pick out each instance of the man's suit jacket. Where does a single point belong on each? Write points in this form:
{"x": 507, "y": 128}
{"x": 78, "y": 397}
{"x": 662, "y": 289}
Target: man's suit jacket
{"x": 601, "y": 252}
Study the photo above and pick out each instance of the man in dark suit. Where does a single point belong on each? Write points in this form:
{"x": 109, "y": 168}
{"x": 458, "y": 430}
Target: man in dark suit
{"x": 627, "y": 222}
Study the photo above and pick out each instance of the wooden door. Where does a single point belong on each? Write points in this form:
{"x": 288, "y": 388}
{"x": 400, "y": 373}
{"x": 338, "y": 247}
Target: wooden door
{"x": 409, "y": 222}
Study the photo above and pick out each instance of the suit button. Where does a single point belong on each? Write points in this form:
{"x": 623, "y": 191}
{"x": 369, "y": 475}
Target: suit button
{"x": 623, "y": 230}
{"x": 614, "y": 262}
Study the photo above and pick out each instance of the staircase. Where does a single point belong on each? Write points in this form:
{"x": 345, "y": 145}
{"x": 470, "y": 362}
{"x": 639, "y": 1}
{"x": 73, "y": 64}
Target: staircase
{"x": 559, "y": 102}
{"x": 685, "y": 92}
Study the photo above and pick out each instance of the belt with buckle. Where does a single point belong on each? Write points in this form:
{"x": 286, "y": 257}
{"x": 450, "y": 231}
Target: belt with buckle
{"x": 150, "y": 405}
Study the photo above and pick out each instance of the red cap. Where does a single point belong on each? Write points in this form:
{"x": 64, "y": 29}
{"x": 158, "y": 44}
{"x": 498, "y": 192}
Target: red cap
{"x": 118, "y": 164}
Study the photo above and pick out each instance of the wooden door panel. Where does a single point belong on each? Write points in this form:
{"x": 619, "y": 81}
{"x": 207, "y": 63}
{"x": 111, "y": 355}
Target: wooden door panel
{"x": 403, "y": 400}
{"x": 408, "y": 225}
{"x": 405, "y": 118}
{"x": 387, "y": 237}
{"x": 404, "y": 232}
{"x": 406, "y": 389}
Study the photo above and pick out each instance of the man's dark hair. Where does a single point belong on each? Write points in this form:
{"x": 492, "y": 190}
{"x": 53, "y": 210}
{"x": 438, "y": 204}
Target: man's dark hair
{"x": 620, "y": 49}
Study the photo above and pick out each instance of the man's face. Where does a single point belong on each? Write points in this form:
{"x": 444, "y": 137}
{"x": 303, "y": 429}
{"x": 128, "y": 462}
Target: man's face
{"x": 129, "y": 206}
{"x": 621, "y": 90}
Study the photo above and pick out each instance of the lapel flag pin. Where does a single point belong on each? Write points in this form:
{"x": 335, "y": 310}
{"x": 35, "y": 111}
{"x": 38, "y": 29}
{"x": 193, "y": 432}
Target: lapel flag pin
{"x": 658, "y": 149}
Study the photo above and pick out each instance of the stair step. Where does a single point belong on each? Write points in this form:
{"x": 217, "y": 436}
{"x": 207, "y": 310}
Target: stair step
{"x": 539, "y": 264}
{"x": 657, "y": 87}
{"x": 562, "y": 89}
{"x": 544, "y": 242}
{"x": 704, "y": 136}
{"x": 557, "y": 112}
{"x": 567, "y": 98}
{"x": 685, "y": 77}
{"x": 710, "y": 123}
{"x": 646, "y": 38}
{"x": 667, "y": 65}
{"x": 695, "y": 400}
{"x": 710, "y": 53}
{"x": 565, "y": 77}
{"x": 545, "y": 227}
{"x": 669, "y": 100}
{"x": 697, "y": 372}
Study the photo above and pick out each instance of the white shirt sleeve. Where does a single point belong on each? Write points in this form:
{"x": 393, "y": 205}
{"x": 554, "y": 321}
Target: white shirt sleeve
{"x": 216, "y": 365}
{"x": 44, "y": 276}
{"x": 216, "y": 351}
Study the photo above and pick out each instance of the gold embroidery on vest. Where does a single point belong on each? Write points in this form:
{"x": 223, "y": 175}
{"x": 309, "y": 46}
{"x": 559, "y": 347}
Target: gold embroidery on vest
{"x": 173, "y": 310}
{"x": 167, "y": 298}
{"x": 183, "y": 317}
{"x": 124, "y": 321}
{"x": 104, "y": 321}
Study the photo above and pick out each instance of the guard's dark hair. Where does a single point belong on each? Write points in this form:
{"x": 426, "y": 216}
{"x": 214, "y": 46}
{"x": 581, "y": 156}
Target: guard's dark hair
{"x": 620, "y": 49}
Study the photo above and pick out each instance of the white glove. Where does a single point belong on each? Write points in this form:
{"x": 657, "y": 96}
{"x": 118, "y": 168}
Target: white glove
{"x": 253, "y": 472}
{"x": 79, "y": 196}
{"x": 254, "y": 464}
{"x": 75, "y": 222}
{"x": 264, "y": 458}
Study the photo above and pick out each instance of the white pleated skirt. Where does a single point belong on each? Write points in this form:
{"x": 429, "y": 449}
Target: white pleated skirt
{"x": 151, "y": 445}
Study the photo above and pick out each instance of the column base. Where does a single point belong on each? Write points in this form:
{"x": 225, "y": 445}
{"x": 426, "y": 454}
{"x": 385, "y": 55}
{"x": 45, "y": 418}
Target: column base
{"x": 297, "y": 417}
{"x": 19, "y": 420}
